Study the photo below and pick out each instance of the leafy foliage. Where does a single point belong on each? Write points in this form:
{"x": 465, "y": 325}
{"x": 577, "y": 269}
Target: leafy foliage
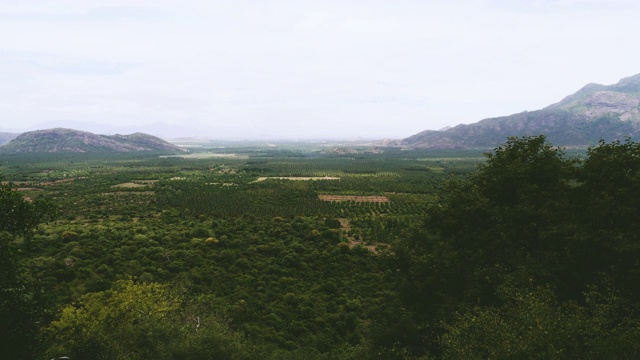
{"x": 533, "y": 254}
{"x": 21, "y": 306}
{"x": 540, "y": 225}
{"x": 533, "y": 324}
{"x": 141, "y": 321}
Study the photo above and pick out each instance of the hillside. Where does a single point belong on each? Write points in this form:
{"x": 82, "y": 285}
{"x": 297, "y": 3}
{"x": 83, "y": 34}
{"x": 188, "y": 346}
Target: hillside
{"x": 6, "y": 137}
{"x": 67, "y": 140}
{"x": 594, "y": 112}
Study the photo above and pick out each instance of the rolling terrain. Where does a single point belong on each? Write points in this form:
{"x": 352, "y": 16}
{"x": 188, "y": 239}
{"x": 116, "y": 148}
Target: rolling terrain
{"x": 61, "y": 140}
{"x": 594, "y": 112}
{"x": 5, "y": 137}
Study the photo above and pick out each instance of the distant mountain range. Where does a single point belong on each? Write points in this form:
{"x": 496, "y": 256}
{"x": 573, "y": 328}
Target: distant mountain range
{"x": 594, "y": 112}
{"x": 213, "y": 130}
{"x": 60, "y": 140}
{"x": 159, "y": 129}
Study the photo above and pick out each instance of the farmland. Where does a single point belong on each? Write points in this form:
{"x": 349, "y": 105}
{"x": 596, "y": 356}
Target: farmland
{"x": 250, "y": 226}
{"x": 286, "y": 252}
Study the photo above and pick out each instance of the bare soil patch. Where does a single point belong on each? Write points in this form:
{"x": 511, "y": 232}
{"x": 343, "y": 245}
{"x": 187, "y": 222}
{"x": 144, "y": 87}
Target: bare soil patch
{"x": 129, "y": 185}
{"x": 371, "y": 199}
{"x": 297, "y": 178}
{"x": 130, "y": 193}
{"x": 28, "y": 189}
{"x": 208, "y": 156}
{"x": 345, "y": 224}
{"x": 57, "y": 182}
{"x": 147, "y": 182}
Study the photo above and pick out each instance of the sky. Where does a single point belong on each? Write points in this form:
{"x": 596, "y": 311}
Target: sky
{"x": 302, "y": 69}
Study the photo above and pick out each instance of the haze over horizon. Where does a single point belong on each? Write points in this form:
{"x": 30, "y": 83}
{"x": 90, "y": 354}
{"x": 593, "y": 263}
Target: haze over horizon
{"x": 302, "y": 69}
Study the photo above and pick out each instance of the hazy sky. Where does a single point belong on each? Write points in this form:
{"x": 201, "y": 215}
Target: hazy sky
{"x": 305, "y": 68}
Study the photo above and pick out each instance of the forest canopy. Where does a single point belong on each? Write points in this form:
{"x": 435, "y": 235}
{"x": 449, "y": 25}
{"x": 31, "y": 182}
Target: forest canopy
{"x": 525, "y": 253}
{"x": 533, "y": 255}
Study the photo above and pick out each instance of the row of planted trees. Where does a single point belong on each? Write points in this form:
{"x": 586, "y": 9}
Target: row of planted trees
{"x": 532, "y": 256}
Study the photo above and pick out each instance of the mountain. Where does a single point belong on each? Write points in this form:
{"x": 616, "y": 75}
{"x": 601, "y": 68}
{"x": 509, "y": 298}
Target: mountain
{"x": 159, "y": 129}
{"x": 594, "y": 112}
{"x": 5, "y": 137}
{"x": 68, "y": 140}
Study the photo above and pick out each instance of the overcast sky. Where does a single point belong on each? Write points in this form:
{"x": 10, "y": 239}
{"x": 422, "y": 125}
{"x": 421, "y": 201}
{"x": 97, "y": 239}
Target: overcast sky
{"x": 304, "y": 68}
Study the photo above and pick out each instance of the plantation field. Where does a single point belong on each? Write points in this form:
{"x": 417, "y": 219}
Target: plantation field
{"x": 409, "y": 255}
{"x": 297, "y": 178}
{"x": 340, "y": 198}
{"x": 284, "y": 246}
{"x": 129, "y": 185}
{"x": 208, "y": 155}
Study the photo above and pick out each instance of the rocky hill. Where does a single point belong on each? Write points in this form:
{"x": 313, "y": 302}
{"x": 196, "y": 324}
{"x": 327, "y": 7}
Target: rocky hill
{"x": 594, "y": 112}
{"x": 68, "y": 140}
{"x": 5, "y": 137}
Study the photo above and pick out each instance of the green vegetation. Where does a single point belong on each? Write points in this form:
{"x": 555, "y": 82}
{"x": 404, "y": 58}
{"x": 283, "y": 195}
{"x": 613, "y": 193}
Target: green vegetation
{"x": 61, "y": 140}
{"x": 523, "y": 253}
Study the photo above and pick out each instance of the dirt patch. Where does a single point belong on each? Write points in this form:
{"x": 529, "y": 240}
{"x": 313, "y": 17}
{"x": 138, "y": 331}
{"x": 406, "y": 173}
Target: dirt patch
{"x": 222, "y": 184}
{"x": 23, "y": 184}
{"x": 130, "y": 193}
{"x": 297, "y": 178}
{"x": 345, "y": 224}
{"x": 129, "y": 185}
{"x": 147, "y": 182}
{"x": 208, "y": 156}
{"x": 371, "y": 199}
{"x": 49, "y": 183}
{"x": 28, "y": 189}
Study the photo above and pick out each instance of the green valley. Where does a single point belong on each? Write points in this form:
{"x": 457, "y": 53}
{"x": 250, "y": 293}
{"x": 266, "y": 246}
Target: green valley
{"x": 293, "y": 252}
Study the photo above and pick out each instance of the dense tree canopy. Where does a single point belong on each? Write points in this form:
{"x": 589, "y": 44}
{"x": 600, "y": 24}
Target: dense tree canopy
{"x": 548, "y": 228}
{"x": 532, "y": 255}
{"x": 142, "y": 321}
{"x": 21, "y": 308}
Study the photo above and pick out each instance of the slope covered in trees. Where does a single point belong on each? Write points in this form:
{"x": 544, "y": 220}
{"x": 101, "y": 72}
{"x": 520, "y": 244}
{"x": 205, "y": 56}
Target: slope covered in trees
{"x": 534, "y": 255}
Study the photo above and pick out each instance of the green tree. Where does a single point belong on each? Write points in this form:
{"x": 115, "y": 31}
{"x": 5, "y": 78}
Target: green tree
{"x": 506, "y": 222}
{"x": 503, "y": 225}
{"x": 533, "y": 324}
{"x": 527, "y": 218}
{"x": 141, "y": 321}
{"x": 18, "y": 215}
{"x": 21, "y": 306}
{"x": 607, "y": 212}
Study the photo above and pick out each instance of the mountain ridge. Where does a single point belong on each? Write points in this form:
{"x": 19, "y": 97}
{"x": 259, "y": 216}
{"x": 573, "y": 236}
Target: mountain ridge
{"x": 59, "y": 140}
{"x": 581, "y": 119}
{"x": 5, "y": 137}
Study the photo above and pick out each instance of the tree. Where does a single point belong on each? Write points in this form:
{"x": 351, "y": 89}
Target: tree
{"x": 502, "y": 225}
{"x": 533, "y": 324}
{"x": 607, "y": 211}
{"x": 141, "y": 321}
{"x": 20, "y": 306}
{"x": 506, "y": 221}
{"x": 547, "y": 228}
{"x": 18, "y": 215}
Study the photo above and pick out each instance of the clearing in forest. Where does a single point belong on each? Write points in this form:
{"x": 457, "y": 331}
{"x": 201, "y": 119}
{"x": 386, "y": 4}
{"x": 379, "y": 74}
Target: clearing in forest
{"x": 129, "y": 193}
{"x": 345, "y": 224}
{"x": 207, "y": 156}
{"x": 297, "y": 178}
{"x": 128, "y": 185}
{"x": 371, "y": 199}
{"x": 135, "y": 184}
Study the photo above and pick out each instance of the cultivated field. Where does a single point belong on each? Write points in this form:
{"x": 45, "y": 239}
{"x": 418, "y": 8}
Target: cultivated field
{"x": 355, "y": 198}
